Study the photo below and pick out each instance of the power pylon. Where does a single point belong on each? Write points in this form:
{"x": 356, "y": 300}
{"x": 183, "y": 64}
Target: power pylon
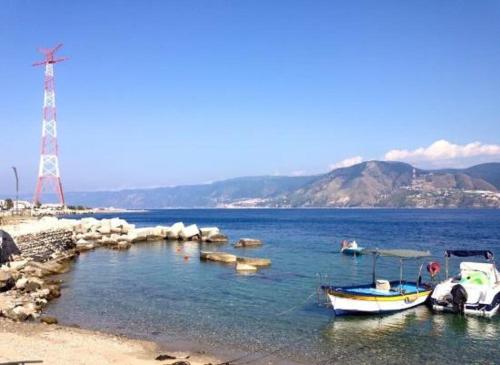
{"x": 49, "y": 177}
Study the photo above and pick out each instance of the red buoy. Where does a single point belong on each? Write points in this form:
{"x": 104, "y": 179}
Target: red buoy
{"x": 433, "y": 268}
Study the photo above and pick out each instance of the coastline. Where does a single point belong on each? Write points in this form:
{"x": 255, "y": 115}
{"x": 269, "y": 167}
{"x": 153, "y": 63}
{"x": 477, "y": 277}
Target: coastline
{"x": 57, "y": 344}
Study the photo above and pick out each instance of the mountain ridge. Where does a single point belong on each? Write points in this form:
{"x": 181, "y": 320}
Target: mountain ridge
{"x": 367, "y": 184}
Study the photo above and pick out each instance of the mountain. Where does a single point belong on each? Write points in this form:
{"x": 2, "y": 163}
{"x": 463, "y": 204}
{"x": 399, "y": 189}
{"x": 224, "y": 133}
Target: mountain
{"x": 368, "y": 184}
{"x": 217, "y": 194}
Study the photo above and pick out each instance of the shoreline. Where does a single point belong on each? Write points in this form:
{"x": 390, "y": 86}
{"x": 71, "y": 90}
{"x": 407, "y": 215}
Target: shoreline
{"x": 60, "y": 344}
{"x": 25, "y": 335}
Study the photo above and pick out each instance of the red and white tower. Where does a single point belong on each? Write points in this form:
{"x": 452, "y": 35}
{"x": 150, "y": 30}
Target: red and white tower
{"x": 49, "y": 178}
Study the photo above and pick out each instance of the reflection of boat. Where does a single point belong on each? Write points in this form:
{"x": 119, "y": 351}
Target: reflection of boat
{"x": 475, "y": 290}
{"x": 350, "y": 248}
{"x": 381, "y": 295}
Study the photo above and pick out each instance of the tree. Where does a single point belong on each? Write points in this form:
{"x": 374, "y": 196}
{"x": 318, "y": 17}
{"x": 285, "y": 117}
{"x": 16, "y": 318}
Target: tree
{"x": 9, "y": 204}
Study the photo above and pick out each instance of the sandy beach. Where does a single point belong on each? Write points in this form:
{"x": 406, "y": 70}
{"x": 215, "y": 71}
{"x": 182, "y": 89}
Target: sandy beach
{"x": 54, "y": 344}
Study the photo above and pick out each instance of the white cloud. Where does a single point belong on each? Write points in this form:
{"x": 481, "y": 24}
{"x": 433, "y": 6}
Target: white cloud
{"x": 347, "y": 162}
{"x": 443, "y": 151}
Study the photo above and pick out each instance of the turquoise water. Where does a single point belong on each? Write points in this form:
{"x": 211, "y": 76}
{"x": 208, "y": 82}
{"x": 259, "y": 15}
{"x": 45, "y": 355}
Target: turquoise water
{"x": 152, "y": 292}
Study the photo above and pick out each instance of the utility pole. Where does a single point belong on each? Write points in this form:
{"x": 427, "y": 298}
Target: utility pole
{"x": 49, "y": 177}
{"x": 16, "y": 208}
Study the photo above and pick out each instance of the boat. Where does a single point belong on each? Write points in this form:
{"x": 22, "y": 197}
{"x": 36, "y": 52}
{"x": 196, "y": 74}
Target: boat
{"x": 475, "y": 290}
{"x": 381, "y": 296}
{"x": 350, "y": 248}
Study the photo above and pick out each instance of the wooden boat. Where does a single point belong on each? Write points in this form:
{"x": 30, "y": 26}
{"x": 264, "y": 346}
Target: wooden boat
{"x": 475, "y": 290}
{"x": 381, "y": 296}
{"x": 350, "y": 248}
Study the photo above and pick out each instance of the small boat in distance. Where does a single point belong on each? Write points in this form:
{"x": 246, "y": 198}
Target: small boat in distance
{"x": 350, "y": 248}
{"x": 381, "y": 296}
{"x": 475, "y": 290}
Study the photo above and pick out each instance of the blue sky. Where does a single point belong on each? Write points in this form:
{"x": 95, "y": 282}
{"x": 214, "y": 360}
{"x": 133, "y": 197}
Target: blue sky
{"x": 180, "y": 92}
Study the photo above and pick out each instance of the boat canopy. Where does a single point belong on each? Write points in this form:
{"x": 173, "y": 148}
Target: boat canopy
{"x": 399, "y": 253}
{"x": 487, "y": 254}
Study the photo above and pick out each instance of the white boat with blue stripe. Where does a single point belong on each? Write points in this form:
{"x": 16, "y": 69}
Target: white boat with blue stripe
{"x": 381, "y": 296}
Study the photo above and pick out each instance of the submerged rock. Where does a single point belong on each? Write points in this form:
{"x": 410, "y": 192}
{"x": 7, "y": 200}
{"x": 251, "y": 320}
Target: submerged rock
{"x": 254, "y": 261}
{"x": 218, "y": 256}
{"x": 245, "y": 267}
{"x": 48, "y": 320}
{"x": 217, "y": 238}
{"x": 248, "y": 242}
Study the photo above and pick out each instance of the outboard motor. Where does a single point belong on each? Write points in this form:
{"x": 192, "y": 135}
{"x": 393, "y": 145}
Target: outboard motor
{"x": 459, "y": 298}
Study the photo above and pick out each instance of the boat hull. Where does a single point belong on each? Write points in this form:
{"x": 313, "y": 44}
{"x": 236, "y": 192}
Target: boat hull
{"x": 352, "y": 251}
{"x": 480, "y": 312}
{"x": 356, "y": 303}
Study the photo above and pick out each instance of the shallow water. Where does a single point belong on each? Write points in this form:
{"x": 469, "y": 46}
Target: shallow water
{"x": 151, "y": 291}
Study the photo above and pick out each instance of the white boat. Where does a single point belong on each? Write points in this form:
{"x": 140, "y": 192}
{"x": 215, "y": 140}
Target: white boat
{"x": 381, "y": 296}
{"x": 475, "y": 290}
{"x": 350, "y": 248}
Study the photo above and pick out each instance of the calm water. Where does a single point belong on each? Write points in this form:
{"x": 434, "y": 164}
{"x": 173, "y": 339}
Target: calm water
{"x": 150, "y": 291}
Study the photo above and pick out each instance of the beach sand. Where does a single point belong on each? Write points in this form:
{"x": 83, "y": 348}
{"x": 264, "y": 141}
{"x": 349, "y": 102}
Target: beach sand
{"x": 54, "y": 344}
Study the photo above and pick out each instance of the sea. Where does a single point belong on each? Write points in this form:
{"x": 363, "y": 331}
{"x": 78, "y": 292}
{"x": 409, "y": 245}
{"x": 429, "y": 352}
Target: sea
{"x": 161, "y": 291}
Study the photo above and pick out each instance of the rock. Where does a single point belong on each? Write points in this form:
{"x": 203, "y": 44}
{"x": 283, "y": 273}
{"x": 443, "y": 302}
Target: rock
{"x": 41, "y": 294}
{"x": 33, "y": 284}
{"x": 7, "y": 302}
{"x": 248, "y": 242}
{"x": 217, "y": 238}
{"x": 22, "y": 312}
{"x": 54, "y": 291}
{"x": 17, "y": 265}
{"x": 245, "y": 267}
{"x": 189, "y": 232}
{"x": 165, "y": 357}
{"x": 182, "y": 362}
{"x": 49, "y": 267}
{"x": 48, "y": 320}
{"x": 6, "y": 281}
{"x": 105, "y": 227}
{"x": 218, "y": 256}
{"x": 122, "y": 245}
{"x": 209, "y": 231}
{"x": 82, "y": 241}
{"x": 175, "y": 230}
{"x": 254, "y": 261}
{"x": 162, "y": 231}
{"x": 21, "y": 283}
{"x": 87, "y": 247}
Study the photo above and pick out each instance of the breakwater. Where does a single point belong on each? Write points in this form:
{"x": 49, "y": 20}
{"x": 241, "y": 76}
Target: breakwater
{"x": 31, "y": 252}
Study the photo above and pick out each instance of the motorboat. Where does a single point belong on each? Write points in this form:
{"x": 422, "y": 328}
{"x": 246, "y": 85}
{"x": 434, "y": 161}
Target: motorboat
{"x": 381, "y": 296}
{"x": 350, "y": 248}
{"x": 475, "y": 290}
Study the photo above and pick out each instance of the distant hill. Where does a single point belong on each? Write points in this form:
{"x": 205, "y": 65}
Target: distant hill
{"x": 368, "y": 184}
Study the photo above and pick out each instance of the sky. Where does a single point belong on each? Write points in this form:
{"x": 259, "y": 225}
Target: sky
{"x": 162, "y": 93}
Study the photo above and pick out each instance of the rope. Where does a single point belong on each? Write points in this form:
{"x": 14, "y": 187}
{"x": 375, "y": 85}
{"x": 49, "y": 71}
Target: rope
{"x": 297, "y": 306}
{"x": 236, "y": 360}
